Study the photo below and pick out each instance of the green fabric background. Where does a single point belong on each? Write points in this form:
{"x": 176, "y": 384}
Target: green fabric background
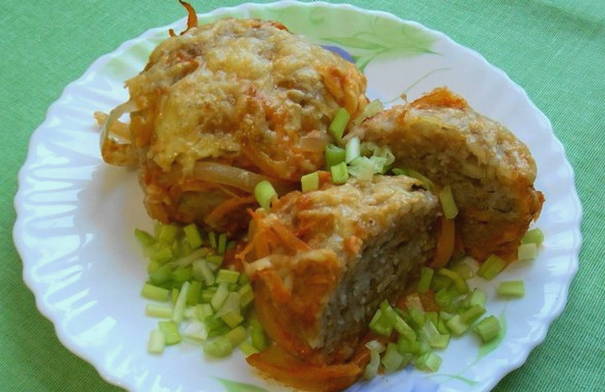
{"x": 555, "y": 49}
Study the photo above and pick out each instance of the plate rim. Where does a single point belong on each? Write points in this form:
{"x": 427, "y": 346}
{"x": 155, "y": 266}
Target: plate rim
{"x": 111, "y": 378}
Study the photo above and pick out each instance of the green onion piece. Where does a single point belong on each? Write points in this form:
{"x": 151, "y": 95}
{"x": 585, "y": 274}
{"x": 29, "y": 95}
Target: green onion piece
{"x": 247, "y": 349}
{"x": 459, "y": 282}
{"x": 406, "y": 346}
{"x": 161, "y": 275}
{"x": 456, "y": 325}
{"x": 215, "y": 260}
{"x": 237, "y": 335}
{"x": 334, "y": 155}
{"x": 527, "y": 251}
{"x": 222, "y": 244}
{"x": 156, "y": 343}
{"x": 230, "y": 312}
{"x": 160, "y": 253}
{"x": 227, "y": 276}
{"x": 153, "y": 266}
{"x": 464, "y": 268}
{"x": 426, "y": 276}
{"x": 171, "y": 332}
{"x": 429, "y": 362}
{"x": 218, "y": 348}
{"x": 442, "y": 327}
{"x": 264, "y": 194}
{"x": 472, "y": 314}
{"x": 215, "y": 326}
{"x": 380, "y": 324}
{"x": 310, "y": 182}
{"x": 477, "y": 298}
{"x": 352, "y": 150}
{"x": 155, "y": 293}
{"x": 440, "y": 282}
{"x": 220, "y": 296}
{"x": 167, "y": 233}
{"x": 207, "y": 294}
{"x": 159, "y": 311}
{"x": 414, "y": 174}
{"x": 445, "y": 315}
{"x": 379, "y": 164}
{"x": 195, "y": 330}
{"x": 174, "y": 295}
{"x": 144, "y": 238}
{"x": 433, "y": 337}
{"x": 212, "y": 239}
{"x": 433, "y": 317}
{"x": 203, "y": 272}
{"x": 448, "y": 204}
{"x": 246, "y": 295}
{"x": 417, "y": 317}
{"x": 445, "y": 297}
{"x": 533, "y": 236}
{"x": 193, "y": 296}
{"x": 257, "y": 335}
{"x": 201, "y": 311}
{"x": 512, "y": 288}
{"x": 340, "y": 174}
{"x": 371, "y": 369}
{"x": 193, "y": 236}
{"x": 339, "y": 123}
{"x": 487, "y": 329}
{"x": 182, "y": 274}
{"x": 491, "y": 267}
{"x": 179, "y": 307}
{"x": 423, "y": 347}
{"x": 404, "y": 329}
{"x": 362, "y": 168}
{"x": 400, "y": 172}
{"x": 375, "y": 345}
{"x": 391, "y": 360}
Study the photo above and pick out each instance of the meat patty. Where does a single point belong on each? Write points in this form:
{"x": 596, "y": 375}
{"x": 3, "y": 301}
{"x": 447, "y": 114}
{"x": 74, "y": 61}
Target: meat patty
{"x": 491, "y": 172}
{"x": 323, "y": 261}
{"x": 223, "y": 102}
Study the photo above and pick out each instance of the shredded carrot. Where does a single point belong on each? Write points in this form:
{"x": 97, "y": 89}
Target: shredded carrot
{"x": 224, "y": 208}
{"x": 445, "y": 243}
{"x": 191, "y": 19}
{"x": 288, "y": 238}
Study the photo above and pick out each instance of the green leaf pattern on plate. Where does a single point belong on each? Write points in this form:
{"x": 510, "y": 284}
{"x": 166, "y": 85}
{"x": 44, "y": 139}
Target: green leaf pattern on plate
{"x": 234, "y": 386}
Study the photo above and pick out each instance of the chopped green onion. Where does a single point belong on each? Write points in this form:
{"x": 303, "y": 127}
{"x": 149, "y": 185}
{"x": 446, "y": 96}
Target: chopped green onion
{"x": 472, "y": 314}
{"x": 264, "y": 194}
{"x": 488, "y": 329}
{"x": 215, "y": 260}
{"x": 237, "y": 335}
{"x": 448, "y": 204}
{"x": 533, "y": 236}
{"x": 160, "y": 253}
{"x": 339, "y": 172}
{"x": 161, "y": 274}
{"x": 230, "y": 313}
{"x": 429, "y": 362}
{"x": 456, "y": 325}
{"x": 445, "y": 315}
{"x": 460, "y": 283}
{"x": 246, "y": 295}
{"x": 404, "y": 329}
{"x": 477, "y": 298}
{"x": 167, "y": 233}
{"x": 144, "y": 238}
{"x": 207, "y": 294}
{"x": 512, "y": 288}
{"x": 369, "y": 110}
{"x": 202, "y": 311}
{"x": 212, "y": 239}
{"x": 339, "y": 123}
{"x": 247, "y": 349}
{"x": 375, "y": 345}
{"x": 465, "y": 268}
{"x": 380, "y": 324}
{"x": 156, "y": 343}
{"x": 182, "y": 274}
{"x": 426, "y": 276}
{"x": 203, "y": 272}
{"x": 527, "y": 251}
{"x": 442, "y": 327}
{"x": 257, "y": 335}
{"x": 334, "y": 155}
{"x": 379, "y": 164}
{"x": 220, "y": 296}
{"x": 193, "y": 296}
{"x": 215, "y": 326}
{"x": 222, "y": 244}
{"x": 195, "y": 330}
{"x": 310, "y": 182}
{"x": 218, "y": 348}
{"x": 391, "y": 360}
{"x": 174, "y": 294}
{"x": 414, "y": 174}
{"x": 491, "y": 267}
{"x": 153, "y": 266}
{"x": 155, "y": 293}
{"x": 193, "y": 235}
{"x": 440, "y": 282}
{"x": 362, "y": 168}
{"x": 407, "y": 346}
{"x": 179, "y": 307}
{"x": 171, "y": 332}
{"x": 372, "y": 367}
{"x": 227, "y": 276}
{"x": 432, "y": 335}
{"x": 352, "y": 150}
{"x": 160, "y": 311}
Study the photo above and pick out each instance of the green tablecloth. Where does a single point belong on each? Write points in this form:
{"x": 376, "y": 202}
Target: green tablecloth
{"x": 555, "y": 49}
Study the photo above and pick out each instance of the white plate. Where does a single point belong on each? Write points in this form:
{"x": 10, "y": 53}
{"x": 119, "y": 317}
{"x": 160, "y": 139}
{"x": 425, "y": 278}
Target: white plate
{"x": 76, "y": 214}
